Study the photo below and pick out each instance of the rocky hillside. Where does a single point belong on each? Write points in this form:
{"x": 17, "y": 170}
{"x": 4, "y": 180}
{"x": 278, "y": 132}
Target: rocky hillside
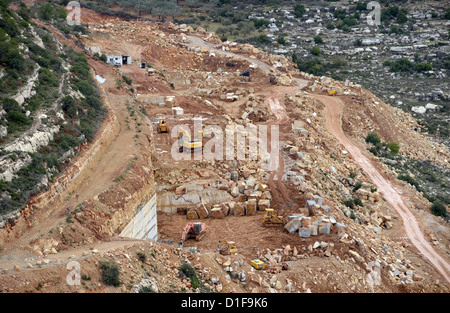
{"x": 49, "y": 105}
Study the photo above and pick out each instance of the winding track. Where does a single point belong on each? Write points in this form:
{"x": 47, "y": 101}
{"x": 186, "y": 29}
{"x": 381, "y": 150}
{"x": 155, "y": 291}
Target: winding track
{"x": 412, "y": 229}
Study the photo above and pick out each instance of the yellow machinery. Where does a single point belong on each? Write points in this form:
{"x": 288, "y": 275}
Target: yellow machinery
{"x": 270, "y": 218}
{"x": 229, "y": 249}
{"x": 332, "y": 92}
{"x": 162, "y": 126}
{"x": 258, "y": 264}
{"x": 186, "y": 143}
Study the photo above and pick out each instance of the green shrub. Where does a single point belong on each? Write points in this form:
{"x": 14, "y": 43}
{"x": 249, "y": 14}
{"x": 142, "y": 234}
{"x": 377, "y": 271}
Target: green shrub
{"x": 189, "y": 271}
{"x": 373, "y": 138}
{"x": 349, "y": 203}
{"x": 127, "y": 80}
{"x": 316, "y": 51}
{"x": 318, "y": 40}
{"x": 141, "y": 256}
{"x": 394, "y": 147}
{"x": 46, "y": 11}
{"x": 423, "y": 67}
{"x": 358, "y": 201}
{"x": 357, "y": 186}
{"x": 409, "y": 180}
{"x": 18, "y": 118}
{"x": 85, "y": 88}
{"x": 146, "y": 289}
{"x": 263, "y": 38}
{"x": 47, "y": 78}
{"x": 438, "y": 209}
{"x": 299, "y": 10}
{"x": 281, "y": 40}
{"x": 374, "y": 151}
{"x": 400, "y": 65}
{"x": 110, "y": 273}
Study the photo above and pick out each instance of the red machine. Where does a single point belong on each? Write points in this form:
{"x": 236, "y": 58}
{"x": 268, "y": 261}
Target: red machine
{"x": 193, "y": 230}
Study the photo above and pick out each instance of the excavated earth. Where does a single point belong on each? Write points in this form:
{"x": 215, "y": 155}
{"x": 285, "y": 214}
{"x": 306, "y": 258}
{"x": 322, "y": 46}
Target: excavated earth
{"x": 315, "y": 158}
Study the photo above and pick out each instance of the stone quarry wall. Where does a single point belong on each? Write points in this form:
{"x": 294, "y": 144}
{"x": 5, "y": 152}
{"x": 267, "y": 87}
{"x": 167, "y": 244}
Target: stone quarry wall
{"x": 188, "y": 196}
{"x": 144, "y": 223}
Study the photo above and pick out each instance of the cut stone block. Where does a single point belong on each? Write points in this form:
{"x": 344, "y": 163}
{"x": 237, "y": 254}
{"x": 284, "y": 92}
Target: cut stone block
{"x": 251, "y": 207}
{"x": 305, "y": 232}
{"x": 239, "y": 209}
{"x": 191, "y": 215}
{"x": 293, "y": 225}
{"x": 313, "y": 229}
{"x": 263, "y": 205}
{"x": 318, "y": 200}
{"x": 201, "y": 210}
{"x": 217, "y": 213}
{"x": 325, "y": 229}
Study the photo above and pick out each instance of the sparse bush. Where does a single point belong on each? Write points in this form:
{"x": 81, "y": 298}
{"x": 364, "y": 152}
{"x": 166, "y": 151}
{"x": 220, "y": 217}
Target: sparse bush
{"x": 127, "y": 80}
{"x": 189, "y": 271}
{"x": 142, "y": 256}
{"x": 263, "y": 38}
{"x": 110, "y": 273}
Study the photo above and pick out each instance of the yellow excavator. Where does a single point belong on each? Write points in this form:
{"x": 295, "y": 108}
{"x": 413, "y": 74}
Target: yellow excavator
{"x": 185, "y": 143}
{"x": 270, "y": 218}
{"x": 332, "y": 92}
{"x": 162, "y": 126}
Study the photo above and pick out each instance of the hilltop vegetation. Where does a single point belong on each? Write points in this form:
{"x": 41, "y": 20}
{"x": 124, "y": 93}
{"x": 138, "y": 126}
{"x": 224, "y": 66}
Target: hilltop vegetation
{"x": 57, "y": 110}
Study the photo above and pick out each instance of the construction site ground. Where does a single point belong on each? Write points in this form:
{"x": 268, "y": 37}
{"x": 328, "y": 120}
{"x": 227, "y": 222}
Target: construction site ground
{"x": 311, "y": 270}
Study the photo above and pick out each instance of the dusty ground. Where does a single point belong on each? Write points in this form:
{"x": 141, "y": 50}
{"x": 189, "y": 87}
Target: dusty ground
{"x": 312, "y": 270}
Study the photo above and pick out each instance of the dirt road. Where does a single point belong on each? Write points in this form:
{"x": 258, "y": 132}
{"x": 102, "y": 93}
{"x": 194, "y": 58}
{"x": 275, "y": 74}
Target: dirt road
{"x": 198, "y": 42}
{"x": 279, "y": 190}
{"x": 386, "y": 187}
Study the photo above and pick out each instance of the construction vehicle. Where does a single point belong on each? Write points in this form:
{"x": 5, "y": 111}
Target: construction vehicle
{"x": 229, "y": 249}
{"x": 194, "y": 230}
{"x": 186, "y": 143}
{"x": 257, "y": 264}
{"x": 332, "y": 92}
{"x": 162, "y": 126}
{"x": 270, "y": 218}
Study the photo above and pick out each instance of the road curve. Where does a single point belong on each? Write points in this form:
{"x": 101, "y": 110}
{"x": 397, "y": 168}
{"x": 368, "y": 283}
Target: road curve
{"x": 412, "y": 229}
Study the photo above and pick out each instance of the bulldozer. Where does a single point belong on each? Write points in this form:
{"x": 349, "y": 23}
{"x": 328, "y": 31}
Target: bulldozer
{"x": 332, "y": 92}
{"x": 162, "y": 126}
{"x": 229, "y": 249}
{"x": 186, "y": 143}
{"x": 194, "y": 230}
{"x": 270, "y": 218}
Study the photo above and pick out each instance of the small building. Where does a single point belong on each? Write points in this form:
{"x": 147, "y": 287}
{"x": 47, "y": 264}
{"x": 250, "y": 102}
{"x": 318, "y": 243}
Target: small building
{"x": 118, "y": 60}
